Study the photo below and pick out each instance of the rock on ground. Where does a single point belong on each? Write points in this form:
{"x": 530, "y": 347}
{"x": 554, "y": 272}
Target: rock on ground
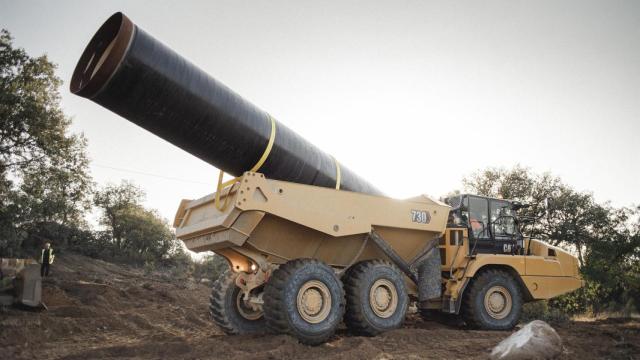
{"x": 536, "y": 340}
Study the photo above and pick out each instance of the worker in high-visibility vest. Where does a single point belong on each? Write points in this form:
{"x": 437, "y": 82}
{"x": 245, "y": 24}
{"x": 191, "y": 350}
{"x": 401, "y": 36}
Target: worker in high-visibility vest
{"x": 46, "y": 259}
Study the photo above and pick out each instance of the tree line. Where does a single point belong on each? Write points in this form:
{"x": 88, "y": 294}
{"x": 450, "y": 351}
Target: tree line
{"x": 46, "y": 190}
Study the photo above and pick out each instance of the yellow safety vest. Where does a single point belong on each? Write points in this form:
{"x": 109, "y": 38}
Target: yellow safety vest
{"x": 51, "y": 256}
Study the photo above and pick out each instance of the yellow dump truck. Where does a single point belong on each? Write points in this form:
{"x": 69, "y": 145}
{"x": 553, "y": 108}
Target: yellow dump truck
{"x": 309, "y": 243}
{"x": 304, "y": 258}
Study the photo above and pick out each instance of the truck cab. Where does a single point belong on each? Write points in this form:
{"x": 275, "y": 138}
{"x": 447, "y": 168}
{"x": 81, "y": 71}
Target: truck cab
{"x": 489, "y": 268}
{"x": 492, "y": 224}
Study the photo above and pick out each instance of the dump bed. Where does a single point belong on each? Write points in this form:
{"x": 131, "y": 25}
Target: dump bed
{"x": 287, "y": 220}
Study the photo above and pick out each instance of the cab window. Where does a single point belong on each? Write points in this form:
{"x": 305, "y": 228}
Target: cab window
{"x": 502, "y": 218}
{"x": 478, "y": 217}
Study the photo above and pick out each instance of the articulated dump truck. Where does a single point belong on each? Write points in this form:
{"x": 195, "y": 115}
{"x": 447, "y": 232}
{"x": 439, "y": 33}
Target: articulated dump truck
{"x": 303, "y": 258}
{"x": 309, "y": 243}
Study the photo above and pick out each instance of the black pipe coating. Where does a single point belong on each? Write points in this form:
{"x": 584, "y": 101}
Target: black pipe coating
{"x": 134, "y": 75}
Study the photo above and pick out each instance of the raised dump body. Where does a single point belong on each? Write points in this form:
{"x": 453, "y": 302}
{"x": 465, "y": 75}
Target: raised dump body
{"x": 281, "y": 221}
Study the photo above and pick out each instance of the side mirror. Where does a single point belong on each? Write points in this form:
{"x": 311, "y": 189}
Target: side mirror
{"x": 517, "y": 205}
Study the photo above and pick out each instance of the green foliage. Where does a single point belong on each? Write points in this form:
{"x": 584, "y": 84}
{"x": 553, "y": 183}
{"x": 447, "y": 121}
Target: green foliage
{"x": 116, "y": 202}
{"x": 133, "y": 232}
{"x": 145, "y": 234}
{"x": 540, "y": 310}
{"x": 605, "y": 239}
{"x": 582, "y": 301}
{"x": 210, "y": 267}
{"x": 179, "y": 262}
{"x": 44, "y": 180}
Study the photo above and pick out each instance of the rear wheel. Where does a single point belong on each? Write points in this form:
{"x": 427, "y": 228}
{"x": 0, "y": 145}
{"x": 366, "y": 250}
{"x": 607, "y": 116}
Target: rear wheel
{"x": 304, "y": 298}
{"x": 493, "y": 301}
{"x": 229, "y": 310}
{"x": 377, "y": 299}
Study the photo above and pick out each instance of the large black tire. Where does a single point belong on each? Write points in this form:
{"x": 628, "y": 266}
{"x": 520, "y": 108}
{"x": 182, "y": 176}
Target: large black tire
{"x": 372, "y": 310}
{"x": 492, "y": 301}
{"x": 298, "y": 282}
{"x": 224, "y": 309}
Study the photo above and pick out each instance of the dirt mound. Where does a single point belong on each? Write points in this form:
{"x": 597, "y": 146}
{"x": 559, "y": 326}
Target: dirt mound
{"x": 102, "y": 310}
{"x": 93, "y": 303}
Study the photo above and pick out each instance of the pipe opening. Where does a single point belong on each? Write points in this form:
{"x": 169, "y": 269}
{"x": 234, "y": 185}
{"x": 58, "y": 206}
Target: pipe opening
{"x": 102, "y": 56}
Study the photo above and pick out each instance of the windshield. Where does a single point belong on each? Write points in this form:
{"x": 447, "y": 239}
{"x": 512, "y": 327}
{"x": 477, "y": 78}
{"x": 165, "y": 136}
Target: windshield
{"x": 503, "y": 218}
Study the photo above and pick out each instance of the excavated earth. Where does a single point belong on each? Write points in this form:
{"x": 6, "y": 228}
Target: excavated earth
{"x": 102, "y": 310}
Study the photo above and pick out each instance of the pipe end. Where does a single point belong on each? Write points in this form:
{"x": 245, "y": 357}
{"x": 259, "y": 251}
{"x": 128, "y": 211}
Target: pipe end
{"x": 102, "y": 56}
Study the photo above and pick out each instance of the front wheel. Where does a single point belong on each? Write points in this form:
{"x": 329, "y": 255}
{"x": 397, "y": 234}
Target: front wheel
{"x": 304, "y": 298}
{"x": 493, "y": 301}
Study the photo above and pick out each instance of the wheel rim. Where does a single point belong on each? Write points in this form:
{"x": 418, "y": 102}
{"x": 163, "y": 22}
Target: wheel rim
{"x": 314, "y": 301}
{"x": 498, "y": 302}
{"x": 246, "y": 311}
{"x": 383, "y": 298}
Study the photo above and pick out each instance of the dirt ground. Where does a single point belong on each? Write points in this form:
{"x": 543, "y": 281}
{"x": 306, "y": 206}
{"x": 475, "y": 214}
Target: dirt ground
{"x": 101, "y": 310}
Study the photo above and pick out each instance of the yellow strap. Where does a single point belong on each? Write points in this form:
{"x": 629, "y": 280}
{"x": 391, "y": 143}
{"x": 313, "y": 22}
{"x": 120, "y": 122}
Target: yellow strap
{"x": 338, "y": 175}
{"x": 267, "y": 151}
{"x": 256, "y": 167}
{"x": 221, "y": 186}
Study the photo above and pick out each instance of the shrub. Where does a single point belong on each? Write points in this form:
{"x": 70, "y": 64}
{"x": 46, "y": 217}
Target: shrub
{"x": 210, "y": 267}
{"x": 540, "y": 310}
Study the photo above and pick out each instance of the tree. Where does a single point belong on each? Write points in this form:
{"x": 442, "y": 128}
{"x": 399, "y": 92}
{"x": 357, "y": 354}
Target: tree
{"x": 44, "y": 176}
{"x": 135, "y": 233}
{"x": 10, "y": 213}
{"x": 115, "y": 201}
{"x": 146, "y": 236}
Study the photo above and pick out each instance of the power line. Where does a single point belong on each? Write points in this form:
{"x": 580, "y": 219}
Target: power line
{"x": 149, "y": 174}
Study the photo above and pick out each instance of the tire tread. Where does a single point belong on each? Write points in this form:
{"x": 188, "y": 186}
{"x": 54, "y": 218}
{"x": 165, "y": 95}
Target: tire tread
{"x": 470, "y": 313}
{"x": 217, "y": 302}
{"x": 354, "y": 317}
{"x": 274, "y": 308}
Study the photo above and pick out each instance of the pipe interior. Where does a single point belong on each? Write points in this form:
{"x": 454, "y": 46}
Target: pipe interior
{"x": 97, "y": 53}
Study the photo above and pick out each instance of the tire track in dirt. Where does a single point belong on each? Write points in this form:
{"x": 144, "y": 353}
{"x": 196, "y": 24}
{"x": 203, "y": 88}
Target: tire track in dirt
{"x": 103, "y": 310}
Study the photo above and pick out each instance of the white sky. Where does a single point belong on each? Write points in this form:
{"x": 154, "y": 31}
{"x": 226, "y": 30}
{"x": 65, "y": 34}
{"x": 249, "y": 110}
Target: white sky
{"x": 410, "y": 95}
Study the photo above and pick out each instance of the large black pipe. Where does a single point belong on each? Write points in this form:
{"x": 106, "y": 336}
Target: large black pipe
{"x": 134, "y": 75}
